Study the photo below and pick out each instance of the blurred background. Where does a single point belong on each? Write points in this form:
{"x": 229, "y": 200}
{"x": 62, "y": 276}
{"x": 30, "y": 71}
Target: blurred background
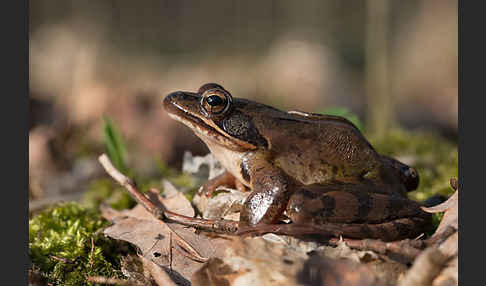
{"x": 391, "y": 64}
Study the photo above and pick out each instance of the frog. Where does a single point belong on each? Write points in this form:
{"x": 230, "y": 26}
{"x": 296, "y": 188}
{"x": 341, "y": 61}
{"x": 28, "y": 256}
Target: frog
{"x": 312, "y": 169}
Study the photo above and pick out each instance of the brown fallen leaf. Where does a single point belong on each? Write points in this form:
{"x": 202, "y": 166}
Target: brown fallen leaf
{"x": 450, "y": 209}
{"x": 153, "y": 236}
{"x": 174, "y": 200}
{"x": 225, "y": 205}
{"x": 158, "y": 273}
{"x": 449, "y": 221}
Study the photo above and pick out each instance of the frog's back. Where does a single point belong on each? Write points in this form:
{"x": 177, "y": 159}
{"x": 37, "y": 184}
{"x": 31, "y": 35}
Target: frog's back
{"x": 320, "y": 149}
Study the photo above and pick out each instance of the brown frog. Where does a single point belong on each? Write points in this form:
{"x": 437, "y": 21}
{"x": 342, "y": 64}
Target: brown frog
{"x": 317, "y": 169}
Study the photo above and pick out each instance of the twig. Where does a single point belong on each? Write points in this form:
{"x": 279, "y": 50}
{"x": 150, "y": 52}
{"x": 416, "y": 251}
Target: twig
{"x": 130, "y": 185}
{"x": 62, "y": 259}
{"x": 160, "y": 212}
{"x": 91, "y": 258}
{"x": 112, "y": 281}
{"x": 170, "y": 251}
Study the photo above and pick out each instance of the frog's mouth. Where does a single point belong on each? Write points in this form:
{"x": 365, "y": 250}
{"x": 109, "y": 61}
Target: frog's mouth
{"x": 208, "y": 133}
{"x": 195, "y": 123}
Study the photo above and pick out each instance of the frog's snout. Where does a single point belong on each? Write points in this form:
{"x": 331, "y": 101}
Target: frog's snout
{"x": 171, "y": 98}
{"x": 181, "y": 101}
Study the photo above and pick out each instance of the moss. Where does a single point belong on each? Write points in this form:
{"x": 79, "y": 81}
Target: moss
{"x": 435, "y": 158}
{"x": 64, "y": 232}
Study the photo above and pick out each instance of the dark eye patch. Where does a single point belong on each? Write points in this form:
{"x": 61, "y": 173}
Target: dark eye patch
{"x": 241, "y": 126}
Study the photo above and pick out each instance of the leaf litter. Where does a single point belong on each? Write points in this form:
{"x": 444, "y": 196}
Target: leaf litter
{"x": 179, "y": 255}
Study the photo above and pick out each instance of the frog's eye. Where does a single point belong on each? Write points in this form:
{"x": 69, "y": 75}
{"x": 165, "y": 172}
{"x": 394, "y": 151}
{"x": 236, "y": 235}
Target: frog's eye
{"x": 215, "y": 102}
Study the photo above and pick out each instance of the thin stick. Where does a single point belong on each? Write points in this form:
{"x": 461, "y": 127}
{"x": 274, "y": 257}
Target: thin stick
{"x": 160, "y": 212}
{"x": 112, "y": 281}
{"x": 170, "y": 251}
{"x": 91, "y": 258}
{"x": 130, "y": 185}
{"x": 62, "y": 259}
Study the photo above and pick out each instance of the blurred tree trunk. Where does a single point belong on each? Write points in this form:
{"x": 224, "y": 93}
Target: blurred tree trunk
{"x": 379, "y": 99}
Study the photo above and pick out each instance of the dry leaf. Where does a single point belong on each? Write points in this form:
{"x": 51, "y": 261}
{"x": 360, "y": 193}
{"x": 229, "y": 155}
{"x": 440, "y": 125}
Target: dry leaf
{"x": 154, "y": 238}
{"x": 226, "y": 205}
{"x": 158, "y": 274}
{"x": 450, "y": 209}
{"x": 174, "y": 200}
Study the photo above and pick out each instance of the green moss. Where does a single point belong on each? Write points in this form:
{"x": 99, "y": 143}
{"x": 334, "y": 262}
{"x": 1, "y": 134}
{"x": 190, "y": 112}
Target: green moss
{"x": 435, "y": 158}
{"x": 64, "y": 232}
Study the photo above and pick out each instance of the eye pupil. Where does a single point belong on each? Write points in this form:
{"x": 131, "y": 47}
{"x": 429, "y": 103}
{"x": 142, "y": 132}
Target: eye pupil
{"x": 214, "y": 100}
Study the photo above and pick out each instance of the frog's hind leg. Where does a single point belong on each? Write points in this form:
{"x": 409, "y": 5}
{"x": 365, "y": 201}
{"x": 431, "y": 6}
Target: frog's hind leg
{"x": 387, "y": 231}
{"x": 357, "y": 214}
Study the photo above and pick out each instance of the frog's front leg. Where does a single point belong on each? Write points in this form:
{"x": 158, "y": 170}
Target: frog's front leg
{"x": 271, "y": 191}
{"x": 225, "y": 179}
